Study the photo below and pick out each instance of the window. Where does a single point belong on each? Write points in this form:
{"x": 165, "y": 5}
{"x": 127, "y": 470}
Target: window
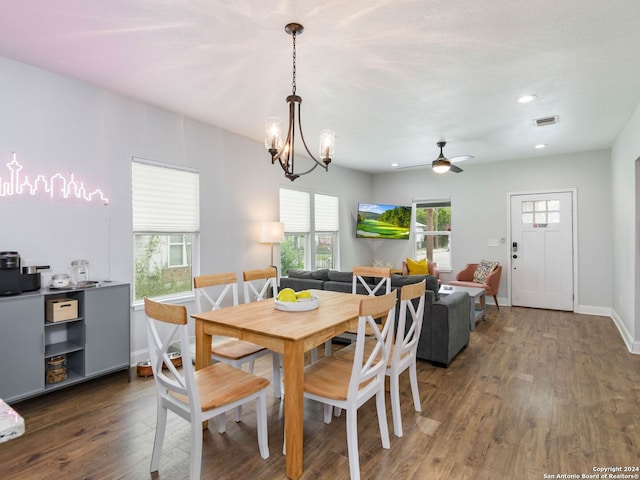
{"x": 541, "y": 212}
{"x": 432, "y": 230}
{"x": 295, "y": 213}
{"x": 326, "y": 221}
{"x": 166, "y": 223}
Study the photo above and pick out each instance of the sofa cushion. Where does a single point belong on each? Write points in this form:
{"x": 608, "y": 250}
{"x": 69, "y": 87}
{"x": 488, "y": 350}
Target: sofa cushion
{"x": 417, "y": 267}
{"x": 322, "y": 274}
{"x": 337, "y": 276}
{"x": 483, "y": 270}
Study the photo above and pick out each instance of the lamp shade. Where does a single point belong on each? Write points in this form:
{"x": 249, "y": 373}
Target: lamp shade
{"x": 271, "y": 232}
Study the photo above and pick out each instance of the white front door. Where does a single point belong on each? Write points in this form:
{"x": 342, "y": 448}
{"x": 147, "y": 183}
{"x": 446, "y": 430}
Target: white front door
{"x": 542, "y": 250}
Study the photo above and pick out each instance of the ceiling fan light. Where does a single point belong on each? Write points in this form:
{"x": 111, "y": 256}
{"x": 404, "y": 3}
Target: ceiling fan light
{"x": 527, "y": 98}
{"x": 441, "y": 166}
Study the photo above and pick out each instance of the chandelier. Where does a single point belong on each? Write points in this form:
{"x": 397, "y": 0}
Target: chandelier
{"x": 284, "y": 151}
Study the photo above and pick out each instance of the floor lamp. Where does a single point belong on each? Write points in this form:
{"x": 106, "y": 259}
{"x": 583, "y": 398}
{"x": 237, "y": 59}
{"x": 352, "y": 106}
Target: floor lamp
{"x": 272, "y": 232}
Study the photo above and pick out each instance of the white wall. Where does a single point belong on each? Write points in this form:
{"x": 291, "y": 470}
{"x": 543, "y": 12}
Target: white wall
{"x": 56, "y": 123}
{"x": 626, "y": 228}
{"x": 479, "y": 212}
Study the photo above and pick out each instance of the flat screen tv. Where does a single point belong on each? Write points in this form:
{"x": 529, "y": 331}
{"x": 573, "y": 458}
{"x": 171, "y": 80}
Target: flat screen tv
{"x": 378, "y": 220}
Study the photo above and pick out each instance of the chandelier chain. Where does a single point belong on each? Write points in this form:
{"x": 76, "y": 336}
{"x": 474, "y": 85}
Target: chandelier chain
{"x": 293, "y": 83}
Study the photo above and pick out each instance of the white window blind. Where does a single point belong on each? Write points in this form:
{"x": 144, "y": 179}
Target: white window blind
{"x": 326, "y": 213}
{"x": 295, "y": 210}
{"x": 165, "y": 198}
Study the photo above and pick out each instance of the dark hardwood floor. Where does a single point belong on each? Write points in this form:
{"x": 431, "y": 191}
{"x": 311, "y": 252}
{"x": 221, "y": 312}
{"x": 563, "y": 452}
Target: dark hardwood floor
{"x": 536, "y": 392}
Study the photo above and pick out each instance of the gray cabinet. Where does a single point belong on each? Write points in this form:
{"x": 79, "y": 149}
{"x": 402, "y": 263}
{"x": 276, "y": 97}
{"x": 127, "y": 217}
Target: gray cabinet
{"x": 94, "y": 343}
{"x": 21, "y": 347}
{"x": 106, "y": 321}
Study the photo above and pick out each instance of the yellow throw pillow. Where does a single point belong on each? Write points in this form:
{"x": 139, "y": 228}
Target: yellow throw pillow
{"x": 419, "y": 267}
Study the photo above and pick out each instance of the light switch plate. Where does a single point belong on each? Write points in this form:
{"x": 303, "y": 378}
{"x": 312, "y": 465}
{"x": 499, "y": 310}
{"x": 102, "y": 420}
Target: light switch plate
{"x": 494, "y": 242}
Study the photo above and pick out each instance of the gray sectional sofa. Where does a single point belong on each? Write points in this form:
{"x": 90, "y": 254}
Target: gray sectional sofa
{"x": 445, "y": 328}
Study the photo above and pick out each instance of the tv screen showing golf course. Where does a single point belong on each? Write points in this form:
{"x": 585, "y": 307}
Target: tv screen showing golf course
{"x": 378, "y": 220}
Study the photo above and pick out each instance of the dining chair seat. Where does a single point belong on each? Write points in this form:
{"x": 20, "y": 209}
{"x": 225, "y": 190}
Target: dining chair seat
{"x": 234, "y": 349}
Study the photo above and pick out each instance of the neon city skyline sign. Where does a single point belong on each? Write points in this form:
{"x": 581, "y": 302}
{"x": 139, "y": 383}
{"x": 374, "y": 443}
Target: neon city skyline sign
{"x": 56, "y": 186}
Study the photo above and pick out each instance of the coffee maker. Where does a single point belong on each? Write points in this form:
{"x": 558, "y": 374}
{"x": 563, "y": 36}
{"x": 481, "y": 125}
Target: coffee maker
{"x": 14, "y": 278}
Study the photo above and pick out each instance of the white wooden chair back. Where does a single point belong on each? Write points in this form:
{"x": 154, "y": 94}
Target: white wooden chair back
{"x": 204, "y": 286}
{"x": 381, "y": 273}
{"x": 165, "y": 324}
{"x": 259, "y": 284}
{"x": 407, "y": 336}
{"x": 405, "y": 349}
{"x": 372, "y": 368}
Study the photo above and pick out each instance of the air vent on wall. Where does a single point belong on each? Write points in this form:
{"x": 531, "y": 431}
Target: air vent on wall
{"x": 544, "y": 121}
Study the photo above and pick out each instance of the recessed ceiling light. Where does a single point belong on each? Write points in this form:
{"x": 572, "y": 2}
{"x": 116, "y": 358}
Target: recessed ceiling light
{"x": 395, "y": 164}
{"x": 527, "y": 98}
{"x": 540, "y": 145}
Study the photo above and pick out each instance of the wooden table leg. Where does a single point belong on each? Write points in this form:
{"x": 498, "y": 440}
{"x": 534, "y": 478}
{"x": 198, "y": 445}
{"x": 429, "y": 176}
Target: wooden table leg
{"x": 294, "y": 407}
{"x": 203, "y": 346}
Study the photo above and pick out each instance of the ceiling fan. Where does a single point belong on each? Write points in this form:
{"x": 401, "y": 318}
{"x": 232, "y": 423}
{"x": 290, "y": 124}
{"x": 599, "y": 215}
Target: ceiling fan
{"x": 443, "y": 164}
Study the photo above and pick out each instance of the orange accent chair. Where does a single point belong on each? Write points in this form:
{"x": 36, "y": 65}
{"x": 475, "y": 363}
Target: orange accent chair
{"x": 464, "y": 278}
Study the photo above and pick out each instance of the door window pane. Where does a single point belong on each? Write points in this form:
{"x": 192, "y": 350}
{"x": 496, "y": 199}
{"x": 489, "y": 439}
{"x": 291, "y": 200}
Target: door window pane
{"x": 546, "y": 211}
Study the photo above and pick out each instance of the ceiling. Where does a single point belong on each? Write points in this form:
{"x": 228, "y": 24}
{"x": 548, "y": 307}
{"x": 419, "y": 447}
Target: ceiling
{"x": 391, "y": 77}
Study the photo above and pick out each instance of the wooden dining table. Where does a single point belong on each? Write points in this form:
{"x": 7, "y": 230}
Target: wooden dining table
{"x": 289, "y": 333}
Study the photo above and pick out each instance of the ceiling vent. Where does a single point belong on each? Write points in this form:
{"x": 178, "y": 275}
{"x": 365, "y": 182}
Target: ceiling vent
{"x": 544, "y": 121}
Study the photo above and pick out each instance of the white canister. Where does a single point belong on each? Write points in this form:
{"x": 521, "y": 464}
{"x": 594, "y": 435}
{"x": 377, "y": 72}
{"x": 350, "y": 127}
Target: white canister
{"x": 59, "y": 280}
{"x": 80, "y": 271}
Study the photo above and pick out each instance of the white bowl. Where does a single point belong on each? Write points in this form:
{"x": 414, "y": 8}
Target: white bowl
{"x": 302, "y": 305}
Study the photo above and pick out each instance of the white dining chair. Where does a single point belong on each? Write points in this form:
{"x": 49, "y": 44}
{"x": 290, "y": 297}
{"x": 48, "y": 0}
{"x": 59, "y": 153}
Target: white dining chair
{"x": 403, "y": 351}
{"x": 348, "y": 385}
{"x": 361, "y": 275}
{"x": 261, "y": 284}
{"x": 216, "y": 291}
{"x": 196, "y": 396}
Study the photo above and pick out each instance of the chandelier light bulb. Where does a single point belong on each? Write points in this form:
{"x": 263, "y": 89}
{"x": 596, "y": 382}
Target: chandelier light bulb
{"x": 273, "y": 134}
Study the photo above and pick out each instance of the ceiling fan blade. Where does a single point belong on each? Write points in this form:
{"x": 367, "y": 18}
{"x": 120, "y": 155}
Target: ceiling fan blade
{"x": 461, "y": 158}
{"x": 455, "y": 169}
{"x": 412, "y": 166}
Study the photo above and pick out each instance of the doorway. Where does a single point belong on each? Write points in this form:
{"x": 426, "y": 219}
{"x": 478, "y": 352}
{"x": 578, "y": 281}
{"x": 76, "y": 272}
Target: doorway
{"x": 542, "y": 257}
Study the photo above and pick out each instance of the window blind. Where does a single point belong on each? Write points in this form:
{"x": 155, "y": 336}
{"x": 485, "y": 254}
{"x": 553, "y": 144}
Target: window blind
{"x": 326, "y": 213}
{"x": 295, "y": 210}
{"x": 165, "y": 198}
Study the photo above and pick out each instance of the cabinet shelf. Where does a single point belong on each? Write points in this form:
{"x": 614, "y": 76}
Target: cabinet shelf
{"x": 60, "y": 348}
{"x": 62, "y": 322}
{"x": 72, "y": 377}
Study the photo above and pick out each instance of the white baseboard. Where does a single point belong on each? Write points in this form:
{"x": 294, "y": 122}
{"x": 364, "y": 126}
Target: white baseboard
{"x": 594, "y": 310}
{"x": 632, "y": 345}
